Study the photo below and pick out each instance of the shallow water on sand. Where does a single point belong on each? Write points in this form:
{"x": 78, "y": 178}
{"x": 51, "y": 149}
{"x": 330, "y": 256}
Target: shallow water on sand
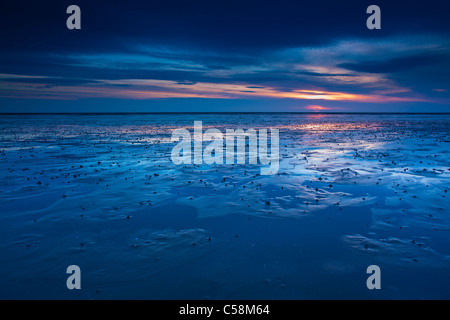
{"x": 101, "y": 192}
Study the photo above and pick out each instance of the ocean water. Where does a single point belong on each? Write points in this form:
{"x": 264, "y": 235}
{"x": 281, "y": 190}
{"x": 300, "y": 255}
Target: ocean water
{"x": 101, "y": 192}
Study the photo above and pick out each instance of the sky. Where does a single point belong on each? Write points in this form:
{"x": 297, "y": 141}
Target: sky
{"x": 224, "y": 56}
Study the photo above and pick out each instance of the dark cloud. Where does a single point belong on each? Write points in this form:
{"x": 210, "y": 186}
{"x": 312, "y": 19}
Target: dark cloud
{"x": 398, "y": 64}
{"x": 234, "y": 25}
{"x": 51, "y": 81}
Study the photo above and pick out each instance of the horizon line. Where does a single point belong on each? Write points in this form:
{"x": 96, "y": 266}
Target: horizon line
{"x": 218, "y": 112}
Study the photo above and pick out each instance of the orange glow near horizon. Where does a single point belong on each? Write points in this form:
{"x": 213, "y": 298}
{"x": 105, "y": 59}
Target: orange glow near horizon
{"x": 141, "y": 89}
{"x": 316, "y": 108}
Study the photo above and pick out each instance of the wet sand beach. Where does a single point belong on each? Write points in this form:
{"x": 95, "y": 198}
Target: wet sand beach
{"x": 101, "y": 192}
